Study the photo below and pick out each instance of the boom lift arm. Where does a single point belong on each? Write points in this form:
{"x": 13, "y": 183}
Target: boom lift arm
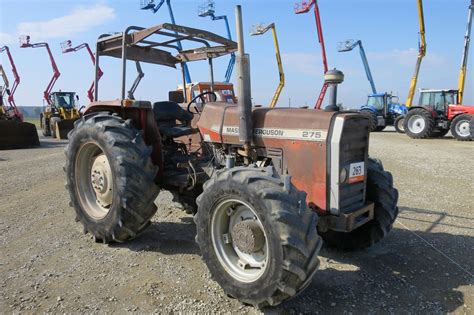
{"x": 16, "y": 76}
{"x": 150, "y": 5}
{"x": 349, "y": 45}
{"x": 208, "y": 9}
{"x": 304, "y": 7}
{"x": 260, "y": 30}
{"x": 465, "y": 55}
{"x": 67, "y": 48}
{"x": 421, "y": 54}
{"x": 25, "y": 43}
{"x": 6, "y": 82}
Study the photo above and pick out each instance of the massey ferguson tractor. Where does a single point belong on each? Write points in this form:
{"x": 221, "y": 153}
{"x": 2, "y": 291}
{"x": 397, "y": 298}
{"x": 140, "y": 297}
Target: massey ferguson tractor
{"x": 267, "y": 184}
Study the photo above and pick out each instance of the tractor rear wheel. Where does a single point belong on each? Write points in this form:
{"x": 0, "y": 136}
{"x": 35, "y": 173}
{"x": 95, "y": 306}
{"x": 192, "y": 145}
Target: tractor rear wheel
{"x": 257, "y": 235}
{"x": 110, "y": 177}
{"x": 381, "y": 192}
{"x": 372, "y": 118}
{"x": 53, "y": 127}
{"x": 44, "y": 127}
{"x": 398, "y": 124}
{"x": 460, "y": 127}
{"x": 419, "y": 124}
{"x": 471, "y": 127}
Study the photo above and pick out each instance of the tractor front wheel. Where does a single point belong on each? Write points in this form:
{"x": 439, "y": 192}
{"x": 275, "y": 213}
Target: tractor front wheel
{"x": 45, "y": 127}
{"x": 257, "y": 235}
{"x": 419, "y": 124}
{"x": 460, "y": 127}
{"x": 381, "y": 192}
{"x": 53, "y": 126}
{"x": 398, "y": 124}
{"x": 110, "y": 177}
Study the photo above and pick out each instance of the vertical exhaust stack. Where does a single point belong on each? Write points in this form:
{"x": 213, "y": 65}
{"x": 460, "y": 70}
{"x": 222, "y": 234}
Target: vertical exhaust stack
{"x": 333, "y": 78}
{"x": 243, "y": 78}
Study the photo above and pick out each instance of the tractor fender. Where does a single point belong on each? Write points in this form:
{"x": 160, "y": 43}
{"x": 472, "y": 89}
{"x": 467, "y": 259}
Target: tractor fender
{"x": 142, "y": 117}
{"x": 371, "y": 108}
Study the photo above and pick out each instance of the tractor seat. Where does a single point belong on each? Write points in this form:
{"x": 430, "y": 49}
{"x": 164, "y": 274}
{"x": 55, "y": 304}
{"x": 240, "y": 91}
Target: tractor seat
{"x": 166, "y": 115}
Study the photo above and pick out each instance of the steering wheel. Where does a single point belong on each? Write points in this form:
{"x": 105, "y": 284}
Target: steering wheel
{"x": 201, "y": 96}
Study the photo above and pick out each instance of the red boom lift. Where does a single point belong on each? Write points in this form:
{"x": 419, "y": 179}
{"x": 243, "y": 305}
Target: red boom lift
{"x": 305, "y": 7}
{"x": 14, "y": 133}
{"x": 67, "y": 48}
{"x": 60, "y": 112}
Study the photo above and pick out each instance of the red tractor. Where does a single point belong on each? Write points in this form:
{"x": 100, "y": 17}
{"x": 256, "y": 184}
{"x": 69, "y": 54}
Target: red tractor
{"x": 436, "y": 114}
{"x": 265, "y": 185}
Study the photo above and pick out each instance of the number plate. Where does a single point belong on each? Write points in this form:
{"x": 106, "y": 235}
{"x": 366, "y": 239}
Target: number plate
{"x": 356, "y": 172}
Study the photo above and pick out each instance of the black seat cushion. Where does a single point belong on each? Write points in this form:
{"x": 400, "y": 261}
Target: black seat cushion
{"x": 176, "y": 131}
{"x": 165, "y": 111}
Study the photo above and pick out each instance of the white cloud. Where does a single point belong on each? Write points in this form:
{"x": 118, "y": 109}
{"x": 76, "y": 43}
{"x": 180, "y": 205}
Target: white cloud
{"x": 407, "y": 57}
{"x": 307, "y": 63}
{"x": 81, "y": 19}
{"x": 7, "y": 39}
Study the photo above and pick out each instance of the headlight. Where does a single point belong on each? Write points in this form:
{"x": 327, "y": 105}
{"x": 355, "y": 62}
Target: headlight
{"x": 343, "y": 176}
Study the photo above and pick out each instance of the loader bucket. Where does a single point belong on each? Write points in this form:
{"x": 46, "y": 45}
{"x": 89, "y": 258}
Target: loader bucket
{"x": 63, "y": 127}
{"x": 17, "y": 135}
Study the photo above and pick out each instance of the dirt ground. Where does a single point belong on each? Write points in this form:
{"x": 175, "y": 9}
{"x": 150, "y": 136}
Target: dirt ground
{"x": 425, "y": 265}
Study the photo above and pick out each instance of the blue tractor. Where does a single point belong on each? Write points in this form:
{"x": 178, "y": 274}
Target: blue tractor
{"x": 382, "y": 108}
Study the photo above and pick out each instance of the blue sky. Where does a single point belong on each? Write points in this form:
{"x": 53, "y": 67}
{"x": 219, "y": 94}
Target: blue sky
{"x": 387, "y": 28}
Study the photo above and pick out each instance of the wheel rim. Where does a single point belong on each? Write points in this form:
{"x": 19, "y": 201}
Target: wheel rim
{"x": 400, "y": 124}
{"x": 94, "y": 181}
{"x": 416, "y": 124}
{"x": 239, "y": 240}
{"x": 463, "y": 129}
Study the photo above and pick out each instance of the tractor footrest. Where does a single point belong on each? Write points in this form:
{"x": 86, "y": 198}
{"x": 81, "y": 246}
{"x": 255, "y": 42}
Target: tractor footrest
{"x": 347, "y": 222}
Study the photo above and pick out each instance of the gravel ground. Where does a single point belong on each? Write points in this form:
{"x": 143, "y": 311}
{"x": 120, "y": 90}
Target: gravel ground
{"x": 424, "y": 266}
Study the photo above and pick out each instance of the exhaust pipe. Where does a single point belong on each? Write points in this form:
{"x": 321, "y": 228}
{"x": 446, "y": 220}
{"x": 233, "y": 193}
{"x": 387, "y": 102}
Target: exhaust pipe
{"x": 244, "y": 92}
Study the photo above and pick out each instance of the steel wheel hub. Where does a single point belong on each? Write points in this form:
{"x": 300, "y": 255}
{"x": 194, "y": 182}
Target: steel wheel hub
{"x": 416, "y": 124}
{"x": 462, "y": 129}
{"x": 93, "y": 181}
{"x": 239, "y": 240}
{"x": 101, "y": 180}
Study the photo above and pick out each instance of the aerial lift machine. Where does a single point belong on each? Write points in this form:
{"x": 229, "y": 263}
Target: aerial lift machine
{"x": 68, "y": 48}
{"x": 382, "y": 108}
{"x": 261, "y": 29}
{"x": 14, "y": 132}
{"x": 60, "y": 112}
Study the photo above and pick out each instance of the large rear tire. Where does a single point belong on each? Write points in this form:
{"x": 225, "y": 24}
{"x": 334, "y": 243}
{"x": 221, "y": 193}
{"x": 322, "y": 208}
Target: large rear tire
{"x": 372, "y": 119}
{"x": 257, "y": 235}
{"x": 398, "y": 124}
{"x": 460, "y": 127}
{"x": 419, "y": 124}
{"x": 381, "y": 192}
{"x": 110, "y": 177}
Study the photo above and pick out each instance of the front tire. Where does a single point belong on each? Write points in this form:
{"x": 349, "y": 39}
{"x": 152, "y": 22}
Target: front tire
{"x": 53, "y": 126}
{"x": 419, "y": 124}
{"x": 277, "y": 255}
{"x": 381, "y": 192}
{"x": 110, "y": 177}
{"x": 460, "y": 127}
{"x": 44, "y": 127}
{"x": 398, "y": 124}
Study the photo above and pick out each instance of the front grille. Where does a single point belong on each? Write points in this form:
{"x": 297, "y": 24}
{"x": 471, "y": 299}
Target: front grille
{"x": 354, "y": 147}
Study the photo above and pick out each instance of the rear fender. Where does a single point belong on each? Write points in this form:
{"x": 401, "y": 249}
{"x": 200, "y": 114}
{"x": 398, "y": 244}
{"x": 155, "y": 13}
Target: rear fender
{"x": 141, "y": 114}
{"x": 428, "y": 109}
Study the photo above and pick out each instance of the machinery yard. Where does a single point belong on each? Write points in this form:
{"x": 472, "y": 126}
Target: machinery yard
{"x": 161, "y": 193}
{"x": 49, "y": 265}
